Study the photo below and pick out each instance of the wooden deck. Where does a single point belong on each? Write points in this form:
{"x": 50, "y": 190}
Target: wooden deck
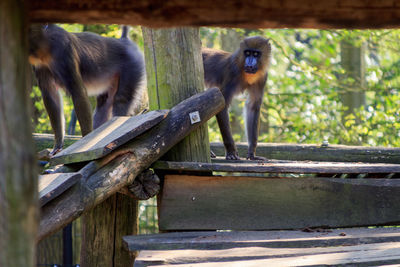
{"x": 350, "y": 247}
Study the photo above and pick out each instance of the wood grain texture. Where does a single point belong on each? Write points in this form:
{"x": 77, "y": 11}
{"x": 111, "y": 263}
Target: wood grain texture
{"x": 46, "y": 141}
{"x": 353, "y": 246}
{"x": 281, "y": 151}
{"x": 174, "y": 73}
{"x": 253, "y": 203}
{"x": 307, "y": 167}
{"x": 102, "y": 178}
{"x": 52, "y": 185}
{"x": 236, "y": 13}
{"x": 317, "y": 152}
{"x": 18, "y": 169}
{"x": 108, "y": 137}
{"x": 357, "y": 255}
{"x": 211, "y": 240}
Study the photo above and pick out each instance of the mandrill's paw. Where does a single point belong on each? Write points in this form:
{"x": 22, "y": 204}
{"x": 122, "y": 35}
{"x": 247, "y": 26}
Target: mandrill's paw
{"x": 251, "y": 156}
{"x": 232, "y": 155}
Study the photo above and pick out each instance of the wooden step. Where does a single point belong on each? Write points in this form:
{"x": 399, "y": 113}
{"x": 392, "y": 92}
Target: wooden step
{"x": 269, "y": 248}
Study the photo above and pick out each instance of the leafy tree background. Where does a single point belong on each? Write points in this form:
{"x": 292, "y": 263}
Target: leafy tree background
{"x": 302, "y": 103}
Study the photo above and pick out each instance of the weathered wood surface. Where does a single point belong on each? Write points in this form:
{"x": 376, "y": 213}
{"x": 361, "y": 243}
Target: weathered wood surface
{"x": 102, "y": 242}
{"x": 254, "y": 203}
{"x": 237, "y": 13}
{"x": 212, "y": 240}
{"x": 335, "y": 153}
{"x": 318, "y": 152}
{"x": 280, "y": 167}
{"x": 358, "y": 255}
{"x": 354, "y": 246}
{"x": 108, "y": 137}
{"x": 169, "y": 52}
{"x": 104, "y": 177}
{"x": 45, "y": 141}
{"x": 18, "y": 171}
{"x": 52, "y": 185}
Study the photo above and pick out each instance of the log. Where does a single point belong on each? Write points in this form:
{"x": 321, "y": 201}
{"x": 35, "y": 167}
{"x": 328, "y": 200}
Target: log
{"x": 318, "y": 152}
{"x": 254, "y": 203}
{"x": 236, "y": 13}
{"x": 127, "y": 162}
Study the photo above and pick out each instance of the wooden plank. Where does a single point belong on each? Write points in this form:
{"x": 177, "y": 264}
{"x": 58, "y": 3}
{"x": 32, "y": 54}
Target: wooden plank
{"x": 371, "y": 254}
{"x": 52, "y": 185}
{"x": 104, "y": 177}
{"x": 212, "y": 240}
{"x": 272, "y": 166}
{"x": 237, "y": 13}
{"x": 253, "y": 203}
{"x": 44, "y": 141}
{"x": 315, "y": 152}
{"x": 355, "y": 246}
{"x": 108, "y": 137}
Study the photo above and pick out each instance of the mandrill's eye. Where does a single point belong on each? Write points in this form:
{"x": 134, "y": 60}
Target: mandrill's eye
{"x": 256, "y": 54}
{"x": 247, "y": 53}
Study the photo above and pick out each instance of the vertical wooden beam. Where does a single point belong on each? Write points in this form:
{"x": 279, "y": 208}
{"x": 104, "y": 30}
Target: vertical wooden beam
{"x": 174, "y": 69}
{"x": 353, "y": 61}
{"x": 102, "y": 231}
{"x": 18, "y": 174}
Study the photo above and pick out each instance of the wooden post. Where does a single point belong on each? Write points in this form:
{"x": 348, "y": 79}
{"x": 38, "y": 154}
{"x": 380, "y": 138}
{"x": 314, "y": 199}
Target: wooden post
{"x": 18, "y": 174}
{"x": 102, "y": 231}
{"x": 175, "y": 72}
{"x": 352, "y": 60}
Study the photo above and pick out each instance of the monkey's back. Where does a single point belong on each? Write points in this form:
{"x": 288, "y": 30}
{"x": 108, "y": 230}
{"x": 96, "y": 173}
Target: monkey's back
{"x": 100, "y": 55}
{"x": 216, "y": 64}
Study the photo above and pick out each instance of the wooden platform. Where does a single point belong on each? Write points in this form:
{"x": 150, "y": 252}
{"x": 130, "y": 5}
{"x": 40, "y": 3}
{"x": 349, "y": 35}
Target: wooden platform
{"x": 350, "y": 247}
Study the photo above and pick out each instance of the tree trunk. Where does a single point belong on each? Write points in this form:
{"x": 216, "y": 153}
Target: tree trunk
{"x": 175, "y": 72}
{"x": 18, "y": 174}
